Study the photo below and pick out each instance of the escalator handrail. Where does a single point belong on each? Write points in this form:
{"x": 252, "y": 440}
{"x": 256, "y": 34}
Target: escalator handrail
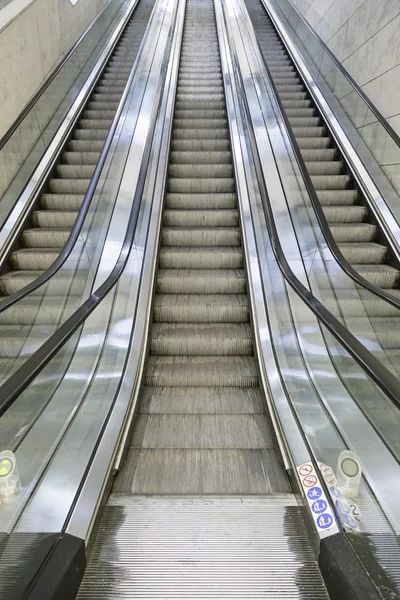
{"x": 84, "y": 209}
{"x": 17, "y": 383}
{"x": 384, "y": 379}
{"x": 348, "y": 77}
{"x": 323, "y": 223}
{"x": 28, "y": 107}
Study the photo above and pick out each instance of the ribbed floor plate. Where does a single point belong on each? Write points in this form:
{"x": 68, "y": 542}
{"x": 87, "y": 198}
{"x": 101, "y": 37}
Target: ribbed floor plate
{"x": 193, "y": 547}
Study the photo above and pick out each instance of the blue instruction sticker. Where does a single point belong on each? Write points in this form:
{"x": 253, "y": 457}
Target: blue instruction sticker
{"x": 324, "y": 521}
{"x": 319, "y": 506}
{"x": 335, "y": 492}
{"x": 314, "y": 493}
{"x": 350, "y": 521}
{"x": 342, "y": 506}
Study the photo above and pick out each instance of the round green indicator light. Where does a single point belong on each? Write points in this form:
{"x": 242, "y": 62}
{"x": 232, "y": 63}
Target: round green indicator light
{"x": 350, "y": 467}
{"x": 6, "y": 466}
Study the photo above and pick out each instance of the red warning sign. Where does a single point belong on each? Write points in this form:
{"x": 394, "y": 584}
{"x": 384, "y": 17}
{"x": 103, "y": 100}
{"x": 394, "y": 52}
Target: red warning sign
{"x": 309, "y": 481}
{"x": 331, "y": 481}
{"x": 305, "y": 470}
{"x": 325, "y": 469}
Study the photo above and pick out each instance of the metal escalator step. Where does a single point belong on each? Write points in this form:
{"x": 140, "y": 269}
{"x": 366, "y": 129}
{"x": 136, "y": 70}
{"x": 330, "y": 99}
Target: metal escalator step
{"x": 247, "y": 432}
{"x": 205, "y": 552}
{"x": 200, "y": 99}
{"x": 68, "y": 186}
{"x": 331, "y": 182}
{"x": 92, "y": 114}
{"x": 202, "y": 400}
{"x": 45, "y": 237}
{"x": 85, "y": 145}
{"x": 324, "y": 168}
{"x": 90, "y": 134}
{"x": 383, "y": 276}
{"x": 364, "y": 253}
{"x": 31, "y": 259}
{"x": 200, "y": 158}
{"x": 201, "y": 258}
{"x": 295, "y": 104}
{"x": 180, "y": 185}
{"x": 205, "y": 339}
{"x": 202, "y": 308}
{"x": 203, "y": 471}
{"x": 312, "y": 143}
{"x": 195, "y": 103}
{"x": 200, "y": 171}
{"x": 285, "y": 68}
{"x": 176, "y": 371}
{"x": 201, "y": 281}
{"x": 293, "y": 97}
{"x": 200, "y": 236}
{"x": 214, "y": 145}
{"x": 300, "y": 112}
{"x": 62, "y": 283}
{"x": 345, "y": 214}
{"x": 200, "y": 201}
{"x": 54, "y": 218}
{"x": 105, "y": 97}
{"x": 351, "y": 305}
{"x": 310, "y": 122}
{"x": 98, "y": 105}
{"x": 337, "y": 197}
{"x": 309, "y": 132}
{"x": 67, "y": 202}
{"x": 356, "y": 232}
{"x": 96, "y": 124}
{"x": 48, "y": 312}
{"x": 199, "y": 134}
{"x": 284, "y": 78}
{"x": 18, "y": 341}
{"x": 201, "y": 218}
{"x": 386, "y": 329}
{"x": 80, "y": 158}
{"x": 200, "y": 113}
{"x": 199, "y": 124}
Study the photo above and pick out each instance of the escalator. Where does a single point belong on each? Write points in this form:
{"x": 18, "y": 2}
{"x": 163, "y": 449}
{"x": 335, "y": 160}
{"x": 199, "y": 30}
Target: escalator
{"x": 55, "y": 212}
{"x": 350, "y": 219}
{"x": 202, "y": 506}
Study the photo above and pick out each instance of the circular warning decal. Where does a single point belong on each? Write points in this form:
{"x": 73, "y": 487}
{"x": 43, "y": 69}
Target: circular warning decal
{"x": 309, "y": 481}
{"x": 326, "y": 470}
{"x": 305, "y": 470}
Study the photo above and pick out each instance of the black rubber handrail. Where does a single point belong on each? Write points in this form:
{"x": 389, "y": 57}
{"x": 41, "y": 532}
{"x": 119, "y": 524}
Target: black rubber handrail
{"x": 83, "y": 211}
{"x": 384, "y": 379}
{"x": 12, "y": 129}
{"x": 346, "y": 74}
{"x": 13, "y": 387}
{"x": 323, "y": 223}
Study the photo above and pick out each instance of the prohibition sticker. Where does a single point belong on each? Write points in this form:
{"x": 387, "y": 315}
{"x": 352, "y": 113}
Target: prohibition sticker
{"x": 318, "y": 504}
{"x": 309, "y": 481}
{"x": 305, "y": 470}
{"x": 326, "y": 470}
{"x": 331, "y": 481}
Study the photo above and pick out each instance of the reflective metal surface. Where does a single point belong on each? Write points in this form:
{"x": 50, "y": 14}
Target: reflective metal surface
{"x": 112, "y": 443}
{"x": 19, "y": 199}
{"x": 94, "y": 366}
{"x": 203, "y": 548}
{"x": 364, "y": 155}
{"x": 290, "y": 437}
{"x": 331, "y": 419}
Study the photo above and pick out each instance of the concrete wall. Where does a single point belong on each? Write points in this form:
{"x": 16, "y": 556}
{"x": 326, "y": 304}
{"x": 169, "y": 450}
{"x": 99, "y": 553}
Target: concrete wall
{"x": 34, "y": 36}
{"x": 365, "y": 36}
